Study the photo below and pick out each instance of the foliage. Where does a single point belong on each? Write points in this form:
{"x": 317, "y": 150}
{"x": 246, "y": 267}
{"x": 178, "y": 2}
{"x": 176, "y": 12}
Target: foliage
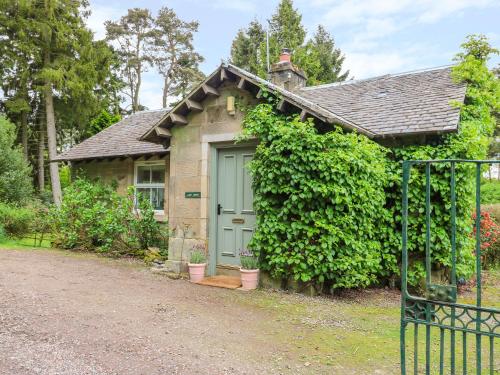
{"x": 477, "y": 123}
{"x": 16, "y": 221}
{"x": 93, "y": 216}
{"x": 324, "y": 59}
{"x": 248, "y": 49}
{"x": 47, "y": 52}
{"x": 197, "y": 257}
{"x": 248, "y": 260}
{"x": 165, "y": 42}
{"x": 145, "y": 226}
{"x": 151, "y": 255}
{"x": 490, "y": 240}
{"x": 102, "y": 121}
{"x": 319, "y": 198}
{"x": 318, "y": 57}
{"x": 175, "y": 56}
{"x": 490, "y": 191}
{"x": 329, "y": 205}
{"x": 134, "y": 34}
{"x": 15, "y": 181}
{"x": 3, "y": 234}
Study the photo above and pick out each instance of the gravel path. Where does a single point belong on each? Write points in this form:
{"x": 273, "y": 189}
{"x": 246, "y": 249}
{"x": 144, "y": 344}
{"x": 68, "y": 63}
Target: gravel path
{"x": 64, "y": 313}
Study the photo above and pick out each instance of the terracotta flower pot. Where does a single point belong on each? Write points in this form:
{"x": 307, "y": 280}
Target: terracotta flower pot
{"x": 196, "y": 272}
{"x": 249, "y": 279}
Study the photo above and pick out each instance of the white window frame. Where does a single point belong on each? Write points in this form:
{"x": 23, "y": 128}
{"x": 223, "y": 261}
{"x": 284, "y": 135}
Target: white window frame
{"x": 137, "y": 185}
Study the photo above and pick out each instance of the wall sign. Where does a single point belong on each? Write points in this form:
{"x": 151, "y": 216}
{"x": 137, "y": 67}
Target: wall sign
{"x": 192, "y": 194}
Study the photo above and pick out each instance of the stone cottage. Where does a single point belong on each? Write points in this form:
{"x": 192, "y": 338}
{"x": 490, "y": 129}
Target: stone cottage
{"x": 186, "y": 160}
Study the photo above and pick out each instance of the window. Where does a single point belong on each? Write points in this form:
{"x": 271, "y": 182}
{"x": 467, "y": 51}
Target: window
{"x": 150, "y": 183}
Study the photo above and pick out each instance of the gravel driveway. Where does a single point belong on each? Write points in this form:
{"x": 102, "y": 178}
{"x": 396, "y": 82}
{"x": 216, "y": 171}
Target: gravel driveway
{"x": 66, "y": 313}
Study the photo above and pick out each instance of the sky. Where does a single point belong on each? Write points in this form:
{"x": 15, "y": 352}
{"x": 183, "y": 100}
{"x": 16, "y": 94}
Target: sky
{"x": 377, "y": 36}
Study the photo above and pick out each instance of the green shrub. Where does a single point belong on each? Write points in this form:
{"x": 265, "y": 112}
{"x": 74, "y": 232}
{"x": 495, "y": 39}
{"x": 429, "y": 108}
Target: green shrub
{"x": 197, "y": 257}
{"x": 16, "y": 221}
{"x": 490, "y": 192}
{"x": 329, "y": 205}
{"x": 15, "y": 173}
{"x": 319, "y": 200}
{"x": 249, "y": 262}
{"x": 3, "y": 234}
{"x": 94, "y": 217}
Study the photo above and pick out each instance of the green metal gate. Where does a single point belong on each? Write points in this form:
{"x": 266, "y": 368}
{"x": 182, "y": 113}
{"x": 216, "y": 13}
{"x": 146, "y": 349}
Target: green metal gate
{"x": 448, "y": 337}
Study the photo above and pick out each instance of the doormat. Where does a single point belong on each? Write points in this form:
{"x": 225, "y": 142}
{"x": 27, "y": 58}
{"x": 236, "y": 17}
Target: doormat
{"x": 222, "y": 281}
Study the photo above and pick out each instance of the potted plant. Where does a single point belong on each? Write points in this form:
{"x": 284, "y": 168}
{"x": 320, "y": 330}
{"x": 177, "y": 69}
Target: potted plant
{"x": 249, "y": 270}
{"x": 197, "y": 266}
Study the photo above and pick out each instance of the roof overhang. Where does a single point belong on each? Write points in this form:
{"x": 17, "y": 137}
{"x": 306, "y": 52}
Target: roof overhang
{"x": 289, "y": 102}
{"x": 134, "y": 156}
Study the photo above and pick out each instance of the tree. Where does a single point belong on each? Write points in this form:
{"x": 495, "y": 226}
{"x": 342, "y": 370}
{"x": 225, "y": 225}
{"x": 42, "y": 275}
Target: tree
{"x": 318, "y": 57}
{"x": 53, "y": 70}
{"x": 175, "y": 56}
{"x": 15, "y": 66}
{"x": 134, "y": 34}
{"x": 287, "y": 29}
{"x": 246, "y": 49}
{"x": 329, "y": 58}
{"x": 15, "y": 180}
{"x": 101, "y": 122}
{"x": 187, "y": 75}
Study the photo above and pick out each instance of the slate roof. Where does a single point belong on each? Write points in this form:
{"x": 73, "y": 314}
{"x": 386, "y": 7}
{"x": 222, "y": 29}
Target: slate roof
{"x": 120, "y": 139}
{"x": 394, "y": 105}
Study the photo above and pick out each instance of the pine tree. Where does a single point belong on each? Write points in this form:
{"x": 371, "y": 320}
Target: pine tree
{"x": 287, "y": 28}
{"x": 65, "y": 74}
{"x": 246, "y": 49}
{"x": 318, "y": 57}
{"x": 175, "y": 57}
{"x": 329, "y": 57}
{"x": 134, "y": 35}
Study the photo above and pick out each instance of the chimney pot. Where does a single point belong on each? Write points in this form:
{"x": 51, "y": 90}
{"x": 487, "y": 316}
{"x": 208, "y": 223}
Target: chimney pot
{"x": 285, "y": 55}
{"x": 285, "y": 74}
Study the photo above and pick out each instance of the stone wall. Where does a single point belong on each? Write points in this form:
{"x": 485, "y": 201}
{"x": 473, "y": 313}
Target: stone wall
{"x": 190, "y": 166}
{"x": 121, "y": 171}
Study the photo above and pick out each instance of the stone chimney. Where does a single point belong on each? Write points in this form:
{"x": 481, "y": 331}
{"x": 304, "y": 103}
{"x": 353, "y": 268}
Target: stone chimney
{"x": 285, "y": 74}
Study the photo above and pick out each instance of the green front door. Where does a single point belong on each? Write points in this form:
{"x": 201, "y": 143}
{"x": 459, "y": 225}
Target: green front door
{"x": 235, "y": 215}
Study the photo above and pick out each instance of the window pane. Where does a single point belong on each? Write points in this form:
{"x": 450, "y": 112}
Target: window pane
{"x": 158, "y": 174}
{"x": 143, "y": 175}
{"x": 157, "y": 198}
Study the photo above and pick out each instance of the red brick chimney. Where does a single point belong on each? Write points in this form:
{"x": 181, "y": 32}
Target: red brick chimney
{"x": 285, "y": 74}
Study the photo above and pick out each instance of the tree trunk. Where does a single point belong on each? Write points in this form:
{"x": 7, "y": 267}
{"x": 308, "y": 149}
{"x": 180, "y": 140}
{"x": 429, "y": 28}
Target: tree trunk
{"x": 135, "y": 103}
{"x": 165, "y": 92}
{"x": 52, "y": 145}
{"x": 41, "y": 155}
{"x": 24, "y": 133}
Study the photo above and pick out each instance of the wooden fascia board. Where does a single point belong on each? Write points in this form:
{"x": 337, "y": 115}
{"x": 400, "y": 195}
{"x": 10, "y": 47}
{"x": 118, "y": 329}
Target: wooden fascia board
{"x": 151, "y": 133}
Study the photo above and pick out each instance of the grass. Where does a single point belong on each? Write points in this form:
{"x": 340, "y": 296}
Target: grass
{"x": 360, "y": 333}
{"x": 490, "y": 191}
{"x": 26, "y": 242}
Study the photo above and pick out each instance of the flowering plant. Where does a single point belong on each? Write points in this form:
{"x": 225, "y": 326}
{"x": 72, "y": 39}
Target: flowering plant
{"x": 490, "y": 239}
{"x": 248, "y": 260}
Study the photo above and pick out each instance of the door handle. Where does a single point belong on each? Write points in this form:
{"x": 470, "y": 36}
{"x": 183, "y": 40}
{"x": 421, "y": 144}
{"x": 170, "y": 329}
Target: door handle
{"x": 219, "y": 208}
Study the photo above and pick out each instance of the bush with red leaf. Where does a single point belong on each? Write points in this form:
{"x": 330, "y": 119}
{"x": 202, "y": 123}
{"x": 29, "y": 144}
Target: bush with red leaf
{"x": 490, "y": 240}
